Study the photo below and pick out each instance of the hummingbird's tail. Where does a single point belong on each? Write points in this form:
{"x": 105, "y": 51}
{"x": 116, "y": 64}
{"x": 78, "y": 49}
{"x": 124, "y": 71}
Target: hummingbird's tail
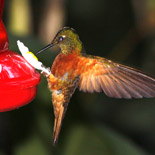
{"x": 60, "y": 99}
{"x": 57, "y": 122}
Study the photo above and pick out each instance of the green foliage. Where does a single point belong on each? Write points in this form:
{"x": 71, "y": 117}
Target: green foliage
{"x": 94, "y": 124}
{"x": 98, "y": 140}
{"x": 32, "y": 126}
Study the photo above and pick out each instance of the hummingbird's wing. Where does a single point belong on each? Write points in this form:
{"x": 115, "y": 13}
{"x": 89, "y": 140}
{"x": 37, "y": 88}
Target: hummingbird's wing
{"x": 115, "y": 80}
{"x": 60, "y": 99}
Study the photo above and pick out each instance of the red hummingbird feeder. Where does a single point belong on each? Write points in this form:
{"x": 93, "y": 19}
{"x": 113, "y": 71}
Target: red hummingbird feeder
{"x": 18, "y": 79}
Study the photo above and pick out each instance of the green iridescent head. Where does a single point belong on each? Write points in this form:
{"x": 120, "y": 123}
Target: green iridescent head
{"x": 68, "y": 41}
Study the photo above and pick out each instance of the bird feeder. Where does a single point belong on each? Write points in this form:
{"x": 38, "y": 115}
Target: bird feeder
{"x": 18, "y": 79}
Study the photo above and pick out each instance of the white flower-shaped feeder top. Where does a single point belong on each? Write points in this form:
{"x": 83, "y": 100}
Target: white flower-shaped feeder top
{"x": 32, "y": 59}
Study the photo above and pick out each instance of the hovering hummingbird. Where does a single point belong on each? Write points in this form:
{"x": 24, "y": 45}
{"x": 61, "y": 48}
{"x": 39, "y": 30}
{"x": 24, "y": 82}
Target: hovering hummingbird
{"x": 73, "y": 68}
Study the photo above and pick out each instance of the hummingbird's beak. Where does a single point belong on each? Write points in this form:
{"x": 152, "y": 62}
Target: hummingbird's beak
{"x": 45, "y": 48}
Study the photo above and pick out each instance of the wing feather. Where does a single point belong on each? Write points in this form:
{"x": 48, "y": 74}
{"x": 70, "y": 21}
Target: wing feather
{"x": 140, "y": 86}
{"x": 120, "y": 87}
{"x": 115, "y": 80}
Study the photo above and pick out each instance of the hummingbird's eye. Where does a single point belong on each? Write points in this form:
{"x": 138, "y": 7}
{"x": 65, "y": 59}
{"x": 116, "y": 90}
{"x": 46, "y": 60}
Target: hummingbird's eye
{"x": 61, "y": 38}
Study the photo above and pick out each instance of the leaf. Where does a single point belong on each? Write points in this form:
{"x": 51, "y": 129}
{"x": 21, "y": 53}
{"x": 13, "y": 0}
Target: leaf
{"x": 31, "y": 146}
{"x": 98, "y": 140}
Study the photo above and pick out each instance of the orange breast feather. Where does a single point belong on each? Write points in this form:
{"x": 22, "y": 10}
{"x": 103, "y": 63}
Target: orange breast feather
{"x": 64, "y": 64}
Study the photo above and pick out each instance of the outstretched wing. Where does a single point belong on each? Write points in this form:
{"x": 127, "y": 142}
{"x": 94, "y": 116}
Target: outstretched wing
{"x": 115, "y": 80}
{"x": 60, "y": 100}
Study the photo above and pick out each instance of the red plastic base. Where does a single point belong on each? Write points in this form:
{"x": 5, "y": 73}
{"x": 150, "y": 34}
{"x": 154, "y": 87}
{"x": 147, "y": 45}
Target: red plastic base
{"x": 18, "y": 81}
{"x": 14, "y": 99}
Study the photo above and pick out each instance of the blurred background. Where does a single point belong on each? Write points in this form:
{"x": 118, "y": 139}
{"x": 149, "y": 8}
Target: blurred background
{"x": 95, "y": 124}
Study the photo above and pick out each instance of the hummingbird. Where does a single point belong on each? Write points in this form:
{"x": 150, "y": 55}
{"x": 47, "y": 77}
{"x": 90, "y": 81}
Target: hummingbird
{"x": 74, "y": 68}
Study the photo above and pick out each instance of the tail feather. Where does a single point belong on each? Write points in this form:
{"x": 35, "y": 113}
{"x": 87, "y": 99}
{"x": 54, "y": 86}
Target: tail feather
{"x": 57, "y": 124}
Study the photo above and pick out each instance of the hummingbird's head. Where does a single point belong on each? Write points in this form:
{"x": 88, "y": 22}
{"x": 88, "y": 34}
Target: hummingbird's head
{"x": 68, "y": 41}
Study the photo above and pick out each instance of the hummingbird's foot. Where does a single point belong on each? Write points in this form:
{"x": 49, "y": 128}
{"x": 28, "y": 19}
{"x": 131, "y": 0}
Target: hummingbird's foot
{"x": 47, "y": 73}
